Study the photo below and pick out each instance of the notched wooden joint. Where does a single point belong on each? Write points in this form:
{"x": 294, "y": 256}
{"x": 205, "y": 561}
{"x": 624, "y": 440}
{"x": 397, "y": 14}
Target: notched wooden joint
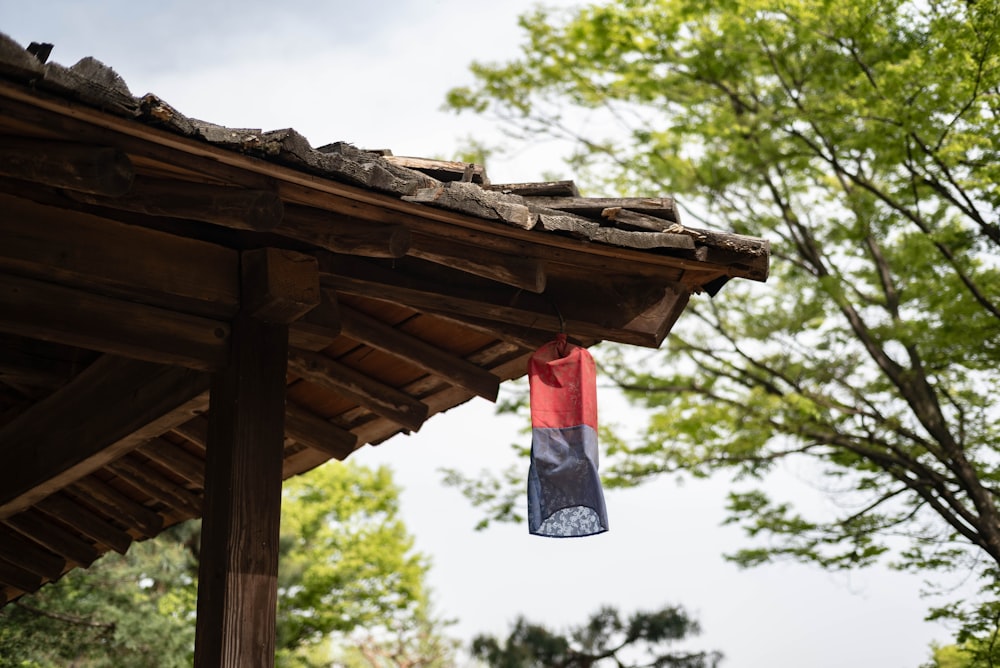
{"x": 279, "y": 285}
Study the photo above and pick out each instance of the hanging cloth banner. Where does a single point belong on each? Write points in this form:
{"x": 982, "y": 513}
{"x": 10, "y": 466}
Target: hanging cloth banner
{"x": 565, "y": 498}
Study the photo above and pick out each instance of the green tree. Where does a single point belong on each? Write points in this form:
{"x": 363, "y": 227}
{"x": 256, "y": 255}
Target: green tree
{"x": 948, "y": 656}
{"x": 347, "y": 563}
{"x": 861, "y": 138}
{"x": 606, "y": 639}
{"x": 135, "y": 609}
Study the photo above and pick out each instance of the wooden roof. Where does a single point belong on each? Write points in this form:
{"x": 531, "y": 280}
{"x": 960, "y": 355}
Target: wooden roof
{"x": 125, "y": 230}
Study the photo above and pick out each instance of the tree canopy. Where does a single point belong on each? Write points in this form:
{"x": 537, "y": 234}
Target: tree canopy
{"x": 347, "y": 566}
{"x": 644, "y": 640}
{"x": 862, "y": 139}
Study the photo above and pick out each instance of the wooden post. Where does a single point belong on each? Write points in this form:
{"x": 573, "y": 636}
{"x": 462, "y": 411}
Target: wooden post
{"x": 237, "y": 586}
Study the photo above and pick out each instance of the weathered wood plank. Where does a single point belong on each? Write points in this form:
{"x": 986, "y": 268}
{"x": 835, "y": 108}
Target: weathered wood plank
{"x": 343, "y": 161}
{"x": 107, "y": 410}
{"x": 377, "y": 397}
{"x": 85, "y": 251}
{"x": 50, "y": 312}
{"x": 520, "y": 272}
{"x": 287, "y": 284}
{"x": 238, "y": 208}
{"x": 642, "y": 240}
{"x": 99, "y": 170}
{"x": 421, "y": 354}
{"x": 659, "y": 207}
{"x": 313, "y": 431}
{"x": 539, "y": 189}
{"x": 630, "y": 220}
{"x": 442, "y": 170}
{"x": 551, "y": 220}
{"x": 470, "y": 199}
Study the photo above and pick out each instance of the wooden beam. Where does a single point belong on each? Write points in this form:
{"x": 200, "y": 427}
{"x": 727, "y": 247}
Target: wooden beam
{"x": 72, "y": 513}
{"x": 421, "y": 354}
{"x": 156, "y": 485}
{"x": 114, "y": 503}
{"x": 288, "y": 284}
{"x": 108, "y": 409}
{"x": 524, "y": 337}
{"x": 40, "y": 363}
{"x": 56, "y": 540}
{"x": 377, "y": 397}
{"x": 99, "y": 170}
{"x": 342, "y": 234}
{"x": 600, "y": 312}
{"x": 313, "y": 431}
{"x": 519, "y": 272}
{"x": 308, "y": 189}
{"x": 97, "y": 127}
{"x": 176, "y": 459}
{"x": 194, "y": 430}
{"x": 238, "y": 571}
{"x": 657, "y": 320}
{"x": 29, "y": 556}
{"x": 318, "y": 328}
{"x": 504, "y": 360}
{"x": 19, "y": 578}
{"x": 36, "y": 309}
{"x": 83, "y": 251}
{"x": 238, "y": 208}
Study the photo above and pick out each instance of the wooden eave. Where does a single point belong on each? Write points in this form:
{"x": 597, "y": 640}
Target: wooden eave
{"x": 409, "y": 286}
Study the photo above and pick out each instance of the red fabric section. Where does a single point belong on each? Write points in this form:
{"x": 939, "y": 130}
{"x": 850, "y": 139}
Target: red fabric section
{"x": 563, "y": 383}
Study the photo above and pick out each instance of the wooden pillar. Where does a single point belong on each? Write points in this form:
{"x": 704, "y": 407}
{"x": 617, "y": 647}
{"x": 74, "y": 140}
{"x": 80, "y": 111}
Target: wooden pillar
{"x": 237, "y": 576}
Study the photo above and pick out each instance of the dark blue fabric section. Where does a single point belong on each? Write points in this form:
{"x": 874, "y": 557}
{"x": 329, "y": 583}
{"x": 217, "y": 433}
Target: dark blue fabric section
{"x": 564, "y": 488}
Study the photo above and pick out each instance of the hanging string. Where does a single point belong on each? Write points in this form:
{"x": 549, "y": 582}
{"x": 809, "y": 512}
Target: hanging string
{"x": 561, "y": 336}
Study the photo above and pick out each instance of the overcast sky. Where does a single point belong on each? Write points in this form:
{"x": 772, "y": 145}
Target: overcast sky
{"x": 375, "y": 73}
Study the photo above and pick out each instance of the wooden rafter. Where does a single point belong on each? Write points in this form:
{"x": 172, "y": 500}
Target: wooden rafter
{"x": 377, "y": 397}
{"x": 105, "y": 411}
{"x": 602, "y": 311}
{"x": 314, "y": 432}
{"x": 64, "y": 508}
{"x": 56, "y": 540}
{"x": 423, "y": 355}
